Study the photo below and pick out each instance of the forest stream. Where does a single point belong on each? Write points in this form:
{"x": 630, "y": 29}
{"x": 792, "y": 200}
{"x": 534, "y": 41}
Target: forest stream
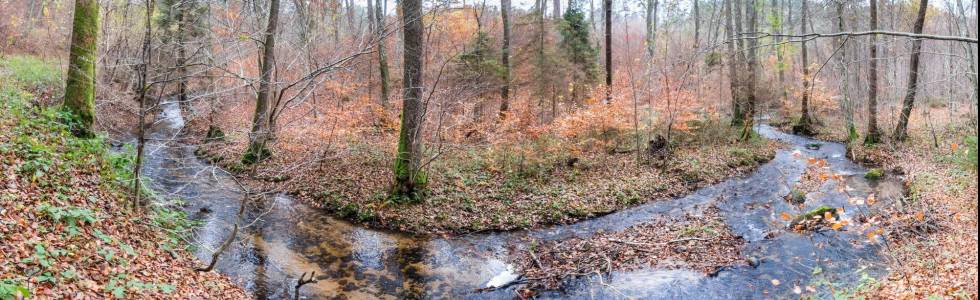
{"x": 283, "y": 238}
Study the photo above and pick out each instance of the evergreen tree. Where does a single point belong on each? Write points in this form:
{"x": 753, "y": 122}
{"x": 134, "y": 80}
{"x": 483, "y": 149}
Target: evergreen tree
{"x": 578, "y": 50}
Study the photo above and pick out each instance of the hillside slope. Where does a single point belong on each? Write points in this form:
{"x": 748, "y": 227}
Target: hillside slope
{"x": 66, "y": 227}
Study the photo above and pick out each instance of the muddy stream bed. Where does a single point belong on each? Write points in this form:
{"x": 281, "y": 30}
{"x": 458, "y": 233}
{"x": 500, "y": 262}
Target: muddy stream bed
{"x": 285, "y": 238}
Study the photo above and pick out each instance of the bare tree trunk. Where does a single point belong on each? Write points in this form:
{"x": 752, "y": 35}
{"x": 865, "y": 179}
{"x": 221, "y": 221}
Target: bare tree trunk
{"x": 739, "y": 94}
{"x": 505, "y": 57}
{"x": 379, "y": 16}
{"x": 971, "y": 55}
{"x": 733, "y": 76}
{"x": 556, "y": 9}
{"x": 141, "y": 129}
{"x": 261, "y": 130}
{"x": 753, "y": 68}
{"x": 697, "y": 24}
{"x": 845, "y": 97}
{"x": 901, "y": 130}
{"x": 181, "y": 54}
{"x": 80, "y": 83}
{"x": 651, "y": 20}
{"x": 804, "y": 126}
{"x": 607, "y": 7}
{"x": 409, "y": 178}
{"x": 777, "y": 16}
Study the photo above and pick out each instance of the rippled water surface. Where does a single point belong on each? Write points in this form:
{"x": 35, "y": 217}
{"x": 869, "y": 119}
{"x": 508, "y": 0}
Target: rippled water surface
{"x": 284, "y": 238}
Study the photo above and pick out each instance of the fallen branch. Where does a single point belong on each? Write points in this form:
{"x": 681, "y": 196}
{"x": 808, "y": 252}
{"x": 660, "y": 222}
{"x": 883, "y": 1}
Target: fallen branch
{"x": 632, "y": 243}
{"x": 303, "y": 281}
{"x": 758, "y": 35}
{"x": 217, "y": 253}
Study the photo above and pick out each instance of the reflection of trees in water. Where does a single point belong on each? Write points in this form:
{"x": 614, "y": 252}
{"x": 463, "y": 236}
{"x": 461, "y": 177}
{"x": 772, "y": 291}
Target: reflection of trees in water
{"x": 409, "y": 256}
{"x": 261, "y": 280}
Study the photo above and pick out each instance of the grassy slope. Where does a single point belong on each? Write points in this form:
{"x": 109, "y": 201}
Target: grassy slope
{"x": 64, "y": 224}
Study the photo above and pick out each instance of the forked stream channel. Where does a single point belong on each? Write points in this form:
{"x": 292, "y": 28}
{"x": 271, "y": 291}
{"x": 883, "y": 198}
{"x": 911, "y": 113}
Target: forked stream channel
{"x": 286, "y": 238}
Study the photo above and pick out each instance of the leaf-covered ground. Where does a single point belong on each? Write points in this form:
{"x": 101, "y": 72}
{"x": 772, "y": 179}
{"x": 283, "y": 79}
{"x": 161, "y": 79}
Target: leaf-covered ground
{"x": 497, "y": 187}
{"x": 699, "y": 242}
{"x": 65, "y": 227}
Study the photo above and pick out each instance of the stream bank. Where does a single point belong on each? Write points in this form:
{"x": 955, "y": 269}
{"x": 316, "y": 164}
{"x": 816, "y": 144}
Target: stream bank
{"x": 285, "y": 238}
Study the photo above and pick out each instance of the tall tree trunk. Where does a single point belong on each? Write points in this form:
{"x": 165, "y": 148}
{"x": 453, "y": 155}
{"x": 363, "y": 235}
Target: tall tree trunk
{"x": 752, "y": 63}
{"x": 556, "y": 9}
{"x": 505, "y": 57}
{"x": 733, "y": 61}
{"x": 971, "y": 53}
{"x": 409, "y": 178}
{"x": 261, "y": 130}
{"x": 143, "y": 75}
{"x": 651, "y": 22}
{"x": 901, "y": 130}
{"x": 369, "y": 13}
{"x": 739, "y": 94}
{"x": 697, "y": 24}
{"x": 181, "y": 60}
{"x": 845, "y": 97}
{"x": 379, "y": 16}
{"x": 607, "y": 8}
{"x": 80, "y": 84}
{"x": 780, "y": 49}
{"x": 804, "y": 126}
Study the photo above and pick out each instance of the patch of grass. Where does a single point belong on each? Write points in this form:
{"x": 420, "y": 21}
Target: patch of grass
{"x": 966, "y": 156}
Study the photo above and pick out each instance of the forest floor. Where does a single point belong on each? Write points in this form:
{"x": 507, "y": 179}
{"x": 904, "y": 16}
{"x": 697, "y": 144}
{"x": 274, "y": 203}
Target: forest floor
{"x": 65, "y": 222}
{"x": 933, "y": 232}
{"x": 483, "y": 188}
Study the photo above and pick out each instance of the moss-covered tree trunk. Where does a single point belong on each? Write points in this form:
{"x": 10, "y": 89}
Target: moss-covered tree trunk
{"x": 80, "y": 84}
{"x": 901, "y": 130}
{"x": 261, "y": 125}
{"x": 409, "y": 178}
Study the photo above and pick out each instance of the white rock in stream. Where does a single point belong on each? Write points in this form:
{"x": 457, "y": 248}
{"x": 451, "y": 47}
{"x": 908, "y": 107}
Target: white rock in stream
{"x": 502, "y": 278}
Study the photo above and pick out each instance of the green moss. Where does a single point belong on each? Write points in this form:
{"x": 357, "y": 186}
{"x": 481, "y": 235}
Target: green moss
{"x": 214, "y": 134}
{"x": 819, "y": 211}
{"x": 874, "y": 174}
{"x": 255, "y": 155}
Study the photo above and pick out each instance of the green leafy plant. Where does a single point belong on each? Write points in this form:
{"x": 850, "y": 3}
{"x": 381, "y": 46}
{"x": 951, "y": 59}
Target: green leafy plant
{"x": 11, "y": 289}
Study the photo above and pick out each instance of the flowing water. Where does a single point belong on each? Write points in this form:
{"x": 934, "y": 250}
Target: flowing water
{"x": 285, "y": 238}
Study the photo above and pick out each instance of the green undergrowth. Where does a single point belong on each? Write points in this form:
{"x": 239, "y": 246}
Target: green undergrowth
{"x": 71, "y": 189}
